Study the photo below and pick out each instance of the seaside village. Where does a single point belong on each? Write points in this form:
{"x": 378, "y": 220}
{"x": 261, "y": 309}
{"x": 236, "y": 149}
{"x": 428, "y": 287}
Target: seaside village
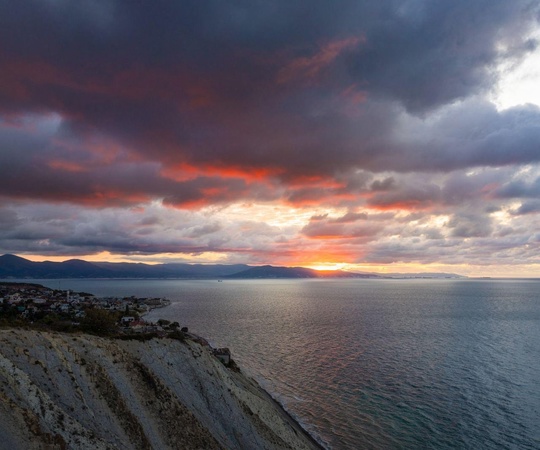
{"x": 63, "y": 310}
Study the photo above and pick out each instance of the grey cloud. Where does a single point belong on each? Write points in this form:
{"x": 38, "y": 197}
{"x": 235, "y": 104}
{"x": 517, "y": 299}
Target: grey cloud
{"x": 149, "y": 220}
{"x": 71, "y": 230}
{"x": 351, "y": 217}
{"x": 203, "y": 230}
{"x": 383, "y": 185}
{"x": 432, "y": 234}
{"x": 529, "y": 207}
{"x": 476, "y": 187}
{"x": 520, "y": 189}
{"x": 8, "y": 219}
{"x": 324, "y": 227}
{"x": 468, "y": 134}
{"x": 467, "y": 225}
{"x": 415, "y": 196}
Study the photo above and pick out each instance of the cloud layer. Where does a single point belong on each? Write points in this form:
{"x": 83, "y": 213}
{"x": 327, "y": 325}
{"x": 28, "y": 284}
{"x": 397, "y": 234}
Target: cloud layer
{"x": 372, "y": 121}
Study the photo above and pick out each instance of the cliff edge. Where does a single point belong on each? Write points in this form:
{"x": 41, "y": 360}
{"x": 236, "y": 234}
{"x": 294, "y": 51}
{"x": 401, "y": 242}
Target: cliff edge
{"x": 66, "y": 391}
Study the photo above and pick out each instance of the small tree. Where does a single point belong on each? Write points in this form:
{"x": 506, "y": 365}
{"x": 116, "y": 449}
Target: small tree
{"x": 99, "y": 321}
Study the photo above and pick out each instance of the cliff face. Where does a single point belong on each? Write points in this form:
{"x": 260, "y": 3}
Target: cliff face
{"x": 62, "y": 391}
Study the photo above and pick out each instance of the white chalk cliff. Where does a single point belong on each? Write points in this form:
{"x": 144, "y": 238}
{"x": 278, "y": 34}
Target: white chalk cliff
{"x": 73, "y": 391}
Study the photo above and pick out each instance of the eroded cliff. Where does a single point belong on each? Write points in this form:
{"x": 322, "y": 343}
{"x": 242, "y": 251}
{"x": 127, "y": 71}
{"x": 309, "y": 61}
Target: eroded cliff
{"x": 86, "y": 392}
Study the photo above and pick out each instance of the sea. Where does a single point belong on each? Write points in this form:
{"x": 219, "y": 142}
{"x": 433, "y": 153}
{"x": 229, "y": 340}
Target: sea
{"x": 374, "y": 364}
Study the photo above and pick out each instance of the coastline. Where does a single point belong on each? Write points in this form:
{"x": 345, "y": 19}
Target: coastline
{"x": 295, "y": 423}
{"x": 290, "y": 418}
{"x": 250, "y": 383}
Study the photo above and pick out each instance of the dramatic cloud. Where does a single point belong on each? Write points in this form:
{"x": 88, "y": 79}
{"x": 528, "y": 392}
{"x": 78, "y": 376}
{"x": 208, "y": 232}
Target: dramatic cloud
{"x": 290, "y": 132}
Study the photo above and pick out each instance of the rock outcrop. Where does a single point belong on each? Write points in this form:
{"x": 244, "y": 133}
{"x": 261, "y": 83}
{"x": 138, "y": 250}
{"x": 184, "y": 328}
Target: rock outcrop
{"x": 66, "y": 391}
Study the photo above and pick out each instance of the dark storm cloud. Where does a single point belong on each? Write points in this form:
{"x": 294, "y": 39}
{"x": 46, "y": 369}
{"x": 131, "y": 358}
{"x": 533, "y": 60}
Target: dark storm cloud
{"x": 202, "y": 82}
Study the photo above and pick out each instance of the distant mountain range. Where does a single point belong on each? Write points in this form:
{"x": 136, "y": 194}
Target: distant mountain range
{"x": 12, "y": 266}
{"x": 295, "y": 272}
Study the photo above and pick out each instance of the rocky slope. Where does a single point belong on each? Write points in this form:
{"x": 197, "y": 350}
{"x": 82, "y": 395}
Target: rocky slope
{"x": 61, "y": 391}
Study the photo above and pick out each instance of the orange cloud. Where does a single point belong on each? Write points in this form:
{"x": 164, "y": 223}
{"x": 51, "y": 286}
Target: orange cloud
{"x": 318, "y": 196}
{"x": 184, "y": 172}
{"x": 308, "y": 67}
{"x": 410, "y": 206}
{"x": 67, "y": 166}
{"x": 354, "y": 95}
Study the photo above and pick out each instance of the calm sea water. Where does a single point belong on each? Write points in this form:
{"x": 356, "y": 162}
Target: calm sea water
{"x": 375, "y": 364}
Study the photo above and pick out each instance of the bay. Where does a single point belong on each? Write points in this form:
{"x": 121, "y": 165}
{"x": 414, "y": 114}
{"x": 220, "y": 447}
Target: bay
{"x": 375, "y": 364}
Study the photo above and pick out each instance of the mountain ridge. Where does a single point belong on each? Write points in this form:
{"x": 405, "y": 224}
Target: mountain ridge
{"x": 12, "y": 266}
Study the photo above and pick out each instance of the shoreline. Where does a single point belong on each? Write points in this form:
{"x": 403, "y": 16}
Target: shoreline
{"x": 250, "y": 383}
{"x": 290, "y": 418}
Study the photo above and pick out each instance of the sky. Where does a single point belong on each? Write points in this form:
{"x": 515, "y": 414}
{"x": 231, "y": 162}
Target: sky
{"x": 387, "y": 136}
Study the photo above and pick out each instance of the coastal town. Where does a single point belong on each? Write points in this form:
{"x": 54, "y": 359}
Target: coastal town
{"x": 34, "y": 305}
